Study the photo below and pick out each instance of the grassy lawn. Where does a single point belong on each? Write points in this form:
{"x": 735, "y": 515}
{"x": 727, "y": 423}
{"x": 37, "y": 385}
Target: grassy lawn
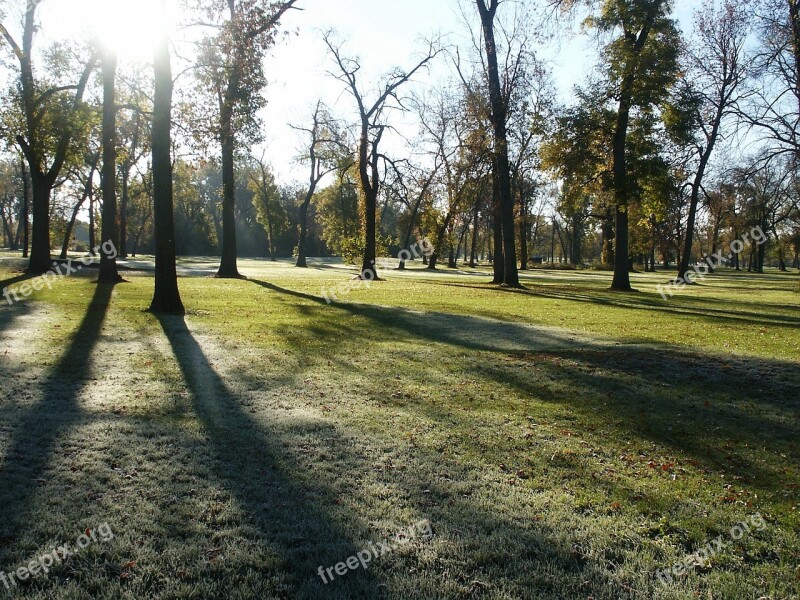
{"x": 560, "y": 441}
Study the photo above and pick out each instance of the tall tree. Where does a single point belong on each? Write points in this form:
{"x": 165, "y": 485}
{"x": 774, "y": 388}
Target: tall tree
{"x": 166, "y": 298}
{"x": 504, "y": 200}
{"x": 110, "y": 233}
{"x": 44, "y": 142}
{"x": 712, "y": 82}
{"x": 641, "y": 66}
{"x": 234, "y": 73}
{"x": 372, "y": 126}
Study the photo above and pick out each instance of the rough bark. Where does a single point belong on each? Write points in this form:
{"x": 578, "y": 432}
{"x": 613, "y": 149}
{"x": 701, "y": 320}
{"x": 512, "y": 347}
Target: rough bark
{"x": 228, "y": 268}
{"x": 166, "y": 298}
{"x": 110, "y": 234}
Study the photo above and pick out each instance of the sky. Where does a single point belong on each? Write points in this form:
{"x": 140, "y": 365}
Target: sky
{"x": 383, "y": 34}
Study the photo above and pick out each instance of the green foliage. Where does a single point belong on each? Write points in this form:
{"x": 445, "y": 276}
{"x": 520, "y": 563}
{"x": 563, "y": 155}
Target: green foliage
{"x": 338, "y": 212}
{"x": 352, "y": 248}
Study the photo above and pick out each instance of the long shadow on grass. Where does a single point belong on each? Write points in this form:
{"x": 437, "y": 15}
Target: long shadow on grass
{"x": 292, "y": 518}
{"x": 655, "y": 392}
{"x": 11, "y": 281}
{"x": 37, "y": 429}
{"x": 651, "y": 303}
{"x": 487, "y": 553}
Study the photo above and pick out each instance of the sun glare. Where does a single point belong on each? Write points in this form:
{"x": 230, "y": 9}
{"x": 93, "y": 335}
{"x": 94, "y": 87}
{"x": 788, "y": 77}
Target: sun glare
{"x": 131, "y": 28}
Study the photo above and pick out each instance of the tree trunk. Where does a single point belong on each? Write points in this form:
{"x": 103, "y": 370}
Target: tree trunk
{"x": 7, "y": 228}
{"x": 92, "y": 236}
{"x": 577, "y": 239}
{"x": 40, "y": 238}
{"x": 228, "y": 268}
{"x": 108, "y": 263}
{"x": 126, "y": 175}
{"x": 498, "y": 264}
{"x": 461, "y": 243}
{"x": 474, "y": 245}
{"x": 75, "y": 211}
{"x": 440, "y": 237}
{"x": 413, "y": 219}
{"x": 301, "y": 243}
{"x": 502, "y": 168}
{"x": 166, "y": 298}
{"x": 370, "y": 187}
{"x": 621, "y": 281}
{"x": 26, "y": 207}
{"x": 523, "y": 236}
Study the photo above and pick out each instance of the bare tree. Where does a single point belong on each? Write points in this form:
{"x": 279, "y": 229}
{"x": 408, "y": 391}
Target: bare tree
{"x": 501, "y": 165}
{"x": 327, "y": 152}
{"x": 372, "y": 127}
{"x": 717, "y": 71}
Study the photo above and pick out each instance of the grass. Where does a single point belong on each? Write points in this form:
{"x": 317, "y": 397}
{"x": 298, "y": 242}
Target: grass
{"x": 561, "y": 441}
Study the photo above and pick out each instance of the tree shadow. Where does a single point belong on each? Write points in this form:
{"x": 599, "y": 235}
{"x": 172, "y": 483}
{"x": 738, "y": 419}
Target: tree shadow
{"x": 295, "y": 519}
{"x": 649, "y": 303}
{"x": 37, "y": 429}
{"x": 620, "y": 382}
{"x": 292, "y": 519}
{"x": 23, "y": 276}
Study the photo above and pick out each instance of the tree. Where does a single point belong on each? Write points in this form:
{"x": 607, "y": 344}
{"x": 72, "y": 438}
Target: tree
{"x": 235, "y": 76}
{"x": 327, "y": 152}
{"x": 444, "y": 126}
{"x": 769, "y": 200}
{"x": 775, "y": 104}
{"x": 641, "y": 66}
{"x": 269, "y": 210}
{"x": 337, "y": 210}
{"x": 87, "y": 184}
{"x": 132, "y": 126}
{"x": 108, "y": 263}
{"x": 45, "y": 136}
{"x": 372, "y": 127}
{"x": 500, "y": 162}
{"x": 710, "y": 91}
{"x": 166, "y": 297}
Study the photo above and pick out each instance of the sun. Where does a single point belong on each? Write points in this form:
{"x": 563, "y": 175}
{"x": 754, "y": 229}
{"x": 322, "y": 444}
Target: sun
{"x": 131, "y": 28}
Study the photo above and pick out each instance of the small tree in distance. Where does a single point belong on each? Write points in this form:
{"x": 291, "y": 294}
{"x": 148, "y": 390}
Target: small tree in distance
{"x": 327, "y": 152}
{"x": 372, "y": 124}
